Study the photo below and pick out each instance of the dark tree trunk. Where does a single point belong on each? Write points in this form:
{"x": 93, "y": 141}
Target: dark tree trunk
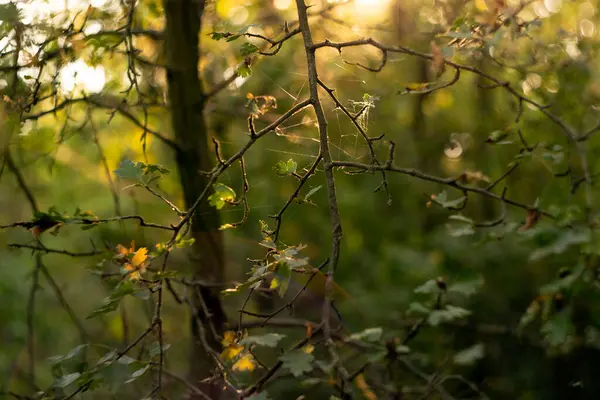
{"x": 187, "y": 101}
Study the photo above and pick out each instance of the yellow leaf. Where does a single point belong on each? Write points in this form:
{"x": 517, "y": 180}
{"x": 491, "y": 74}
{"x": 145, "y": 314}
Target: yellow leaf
{"x": 134, "y": 273}
{"x": 274, "y": 284}
{"x": 246, "y": 363}
{"x": 122, "y": 250}
{"x": 228, "y": 338}
{"x": 309, "y": 348}
{"x": 140, "y": 256}
{"x": 231, "y": 351}
{"x": 226, "y": 226}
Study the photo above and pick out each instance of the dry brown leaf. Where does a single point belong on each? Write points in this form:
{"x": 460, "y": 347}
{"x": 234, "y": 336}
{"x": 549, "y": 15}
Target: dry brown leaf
{"x": 533, "y": 216}
{"x": 474, "y": 176}
{"x": 438, "y": 64}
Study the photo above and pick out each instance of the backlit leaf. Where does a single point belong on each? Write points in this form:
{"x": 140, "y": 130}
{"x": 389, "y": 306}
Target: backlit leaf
{"x": 284, "y": 168}
{"x": 130, "y": 170}
{"x": 245, "y": 363}
{"x": 221, "y": 196}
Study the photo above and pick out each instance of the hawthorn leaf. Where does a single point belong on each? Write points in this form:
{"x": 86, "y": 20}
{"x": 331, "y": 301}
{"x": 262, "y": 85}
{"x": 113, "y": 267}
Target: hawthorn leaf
{"x": 248, "y": 49}
{"x": 73, "y": 353}
{"x": 222, "y": 195}
{"x": 297, "y": 362}
{"x": 558, "y": 328}
{"x": 268, "y": 340}
{"x": 470, "y": 355}
{"x": 130, "y": 170}
{"x": 284, "y": 168}
{"x": 138, "y": 373}
{"x": 66, "y": 380}
{"x": 447, "y": 314}
{"x": 428, "y": 287}
{"x": 368, "y": 335}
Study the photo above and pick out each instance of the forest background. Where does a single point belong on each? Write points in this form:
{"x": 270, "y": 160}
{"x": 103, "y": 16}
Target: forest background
{"x": 462, "y": 144}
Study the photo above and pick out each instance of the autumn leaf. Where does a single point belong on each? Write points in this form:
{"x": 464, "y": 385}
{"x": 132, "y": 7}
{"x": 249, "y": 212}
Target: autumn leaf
{"x": 228, "y": 338}
{"x": 232, "y": 348}
{"x": 245, "y": 363}
{"x": 137, "y": 264}
{"x": 438, "y": 64}
{"x": 140, "y": 256}
{"x": 309, "y": 330}
{"x": 231, "y": 351}
{"x": 362, "y": 385}
{"x": 532, "y": 218}
{"x": 308, "y": 349}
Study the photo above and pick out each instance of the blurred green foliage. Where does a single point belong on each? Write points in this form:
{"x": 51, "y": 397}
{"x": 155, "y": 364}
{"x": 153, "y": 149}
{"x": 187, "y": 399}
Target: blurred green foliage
{"x": 508, "y": 298}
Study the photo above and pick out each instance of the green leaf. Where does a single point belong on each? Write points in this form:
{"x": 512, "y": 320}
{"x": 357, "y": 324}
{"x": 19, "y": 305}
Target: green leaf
{"x": 418, "y": 308}
{"x": 368, "y": 335}
{"x": 221, "y": 196}
{"x": 297, "y": 362}
{"x": 218, "y": 35}
{"x": 233, "y": 37}
{"x": 558, "y": 328}
{"x": 468, "y": 288}
{"x": 285, "y": 270}
{"x": 284, "y": 168}
{"x": 154, "y": 349}
{"x": 108, "y": 357}
{"x": 268, "y": 340}
{"x": 138, "y": 373}
{"x": 565, "y": 283}
{"x": 9, "y": 13}
{"x": 311, "y": 192}
{"x": 126, "y": 360}
{"x": 442, "y": 199}
{"x": 66, "y": 380}
{"x": 244, "y": 71}
{"x": 130, "y": 170}
{"x": 563, "y": 242}
{"x": 155, "y": 169}
{"x": 447, "y": 314}
{"x": 428, "y": 287}
{"x": 111, "y": 303}
{"x": 461, "y": 218}
{"x": 469, "y": 355}
{"x": 73, "y": 353}
{"x": 458, "y": 231}
{"x": 247, "y": 49}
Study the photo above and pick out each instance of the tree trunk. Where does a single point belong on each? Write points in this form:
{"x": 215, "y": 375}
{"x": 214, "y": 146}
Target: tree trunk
{"x": 187, "y": 101}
